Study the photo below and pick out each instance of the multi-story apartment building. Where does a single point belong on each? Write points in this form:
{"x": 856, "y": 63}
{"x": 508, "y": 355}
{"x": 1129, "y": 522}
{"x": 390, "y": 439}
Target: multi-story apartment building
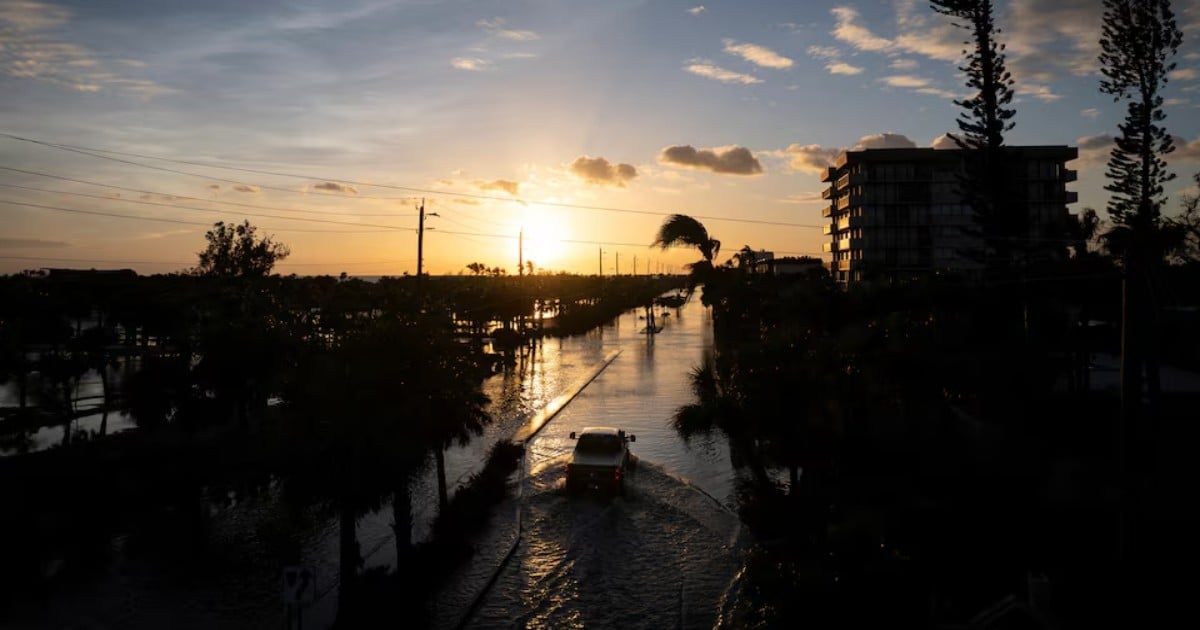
{"x": 900, "y": 212}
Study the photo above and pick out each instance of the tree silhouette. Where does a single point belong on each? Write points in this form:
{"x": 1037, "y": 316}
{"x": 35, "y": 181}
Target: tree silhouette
{"x": 1187, "y": 225}
{"x": 986, "y": 118}
{"x": 235, "y": 250}
{"x": 1139, "y": 40}
{"x": 680, "y": 230}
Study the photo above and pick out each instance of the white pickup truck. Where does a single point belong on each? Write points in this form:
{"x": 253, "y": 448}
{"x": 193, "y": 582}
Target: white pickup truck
{"x": 600, "y": 460}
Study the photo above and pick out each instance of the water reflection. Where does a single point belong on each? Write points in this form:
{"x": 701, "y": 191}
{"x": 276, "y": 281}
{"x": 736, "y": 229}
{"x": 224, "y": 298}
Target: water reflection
{"x": 256, "y": 533}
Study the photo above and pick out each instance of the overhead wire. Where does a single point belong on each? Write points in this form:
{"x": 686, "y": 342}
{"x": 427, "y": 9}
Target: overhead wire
{"x": 164, "y": 219}
{"x": 191, "y": 198}
{"x": 179, "y": 207}
{"x": 97, "y": 153}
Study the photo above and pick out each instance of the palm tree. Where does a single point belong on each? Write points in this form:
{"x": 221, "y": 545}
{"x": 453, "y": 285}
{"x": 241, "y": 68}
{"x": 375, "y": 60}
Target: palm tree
{"x": 680, "y": 230}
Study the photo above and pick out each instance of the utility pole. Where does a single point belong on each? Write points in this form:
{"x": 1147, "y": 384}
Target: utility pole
{"x": 521, "y": 252}
{"x": 618, "y": 254}
{"x": 601, "y": 262}
{"x": 635, "y": 264}
{"x": 421, "y": 239}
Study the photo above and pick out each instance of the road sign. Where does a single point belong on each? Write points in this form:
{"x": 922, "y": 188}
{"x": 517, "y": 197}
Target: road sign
{"x": 299, "y": 585}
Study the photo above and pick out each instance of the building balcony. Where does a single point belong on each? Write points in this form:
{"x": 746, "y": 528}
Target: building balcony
{"x": 828, "y": 211}
{"x": 841, "y": 265}
{"x": 1071, "y": 196}
{"x": 827, "y": 229}
{"x": 1069, "y": 175}
{"x": 866, "y": 220}
{"x": 850, "y": 179}
{"x": 827, "y": 193}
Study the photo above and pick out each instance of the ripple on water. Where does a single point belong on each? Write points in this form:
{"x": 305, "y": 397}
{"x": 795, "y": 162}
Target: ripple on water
{"x": 661, "y": 556}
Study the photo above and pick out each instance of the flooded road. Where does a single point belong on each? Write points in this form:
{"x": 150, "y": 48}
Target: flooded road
{"x": 662, "y": 556}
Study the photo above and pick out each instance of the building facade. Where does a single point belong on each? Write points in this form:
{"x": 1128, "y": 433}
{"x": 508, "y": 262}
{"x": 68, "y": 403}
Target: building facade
{"x": 900, "y": 213}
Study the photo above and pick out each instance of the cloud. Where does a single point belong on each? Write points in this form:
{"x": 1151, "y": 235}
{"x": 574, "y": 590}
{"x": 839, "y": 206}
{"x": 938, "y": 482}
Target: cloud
{"x": 15, "y": 243}
{"x": 336, "y": 187}
{"x": 804, "y": 197}
{"x": 706, "y": 69}
{"x": 810, "y": 158}
{"x": 943, "y": 141}
{"x": 507, "y": 186}
{"x": 27, "y": 51}
{"x": 885, "y": 140}
{"x": 1094, "y": 150}
{"x": 1185, "y": 151}
{"x": 1090, "y": 112}
{"x": 833, "y": 56}
{"x": 906, "y": 81}
{"x": 814, "y": 158}
{"x": 470, "y": 63}
{"x": 246, "y": 188}
{"x": 1100, "y": 141}
{"x": 499, "y": 27}
{"x": 214, "y": 187}
{"x": 937, "y": 92}
{"x": 828, "y": 53}
{"x": 600, "y": 171}
{"x": 1175, "y": 102}
{"x": 1182, "y": 74}
{"x": 696, "y": 10}
{"x": 840, "y": 67}
{"x": 731, "y": 160}
{"x": 1051, "y": 38}
{"x": 1044, "y": 39}
{"x": 849, "y": 31}
{"x": 1038, "y": 91}
{"x": 758, "y": 55}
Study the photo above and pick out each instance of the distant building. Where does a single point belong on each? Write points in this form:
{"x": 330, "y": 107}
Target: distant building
{"x": 899, "y": 213}
{"x": 788, "y": 265}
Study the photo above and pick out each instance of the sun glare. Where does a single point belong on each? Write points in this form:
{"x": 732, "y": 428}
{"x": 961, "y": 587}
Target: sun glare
{"x": 544, "y": 240}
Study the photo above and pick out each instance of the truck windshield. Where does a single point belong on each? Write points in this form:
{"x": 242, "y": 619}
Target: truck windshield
{"x": 593, "y": 444}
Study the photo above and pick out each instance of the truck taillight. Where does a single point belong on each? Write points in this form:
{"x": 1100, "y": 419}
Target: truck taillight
{"x": 617, "y": 473}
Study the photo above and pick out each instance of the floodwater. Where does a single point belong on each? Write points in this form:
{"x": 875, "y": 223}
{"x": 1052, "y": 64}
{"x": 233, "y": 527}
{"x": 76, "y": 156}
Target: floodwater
{"x": 664, "y": 555}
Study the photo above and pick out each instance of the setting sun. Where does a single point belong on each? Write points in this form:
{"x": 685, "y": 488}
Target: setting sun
{"x": 545, "y": 238}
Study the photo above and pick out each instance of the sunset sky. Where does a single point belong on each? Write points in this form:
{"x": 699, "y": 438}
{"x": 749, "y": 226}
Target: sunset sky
{"x": 582, "y": 123}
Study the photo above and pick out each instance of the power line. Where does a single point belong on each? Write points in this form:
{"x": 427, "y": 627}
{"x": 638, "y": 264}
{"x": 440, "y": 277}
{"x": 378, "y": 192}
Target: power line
{"x": 167, "y": 262}
{"x": 179, "y": 207}
{"x": 96, "y": 153}
{"x": 165, "y": 220}
{"x": 182, "y": 222}
{"x": 220, "y": 201}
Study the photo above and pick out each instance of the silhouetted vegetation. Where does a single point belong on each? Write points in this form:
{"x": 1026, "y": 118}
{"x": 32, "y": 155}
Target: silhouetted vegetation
{"x": 332, "y": 394}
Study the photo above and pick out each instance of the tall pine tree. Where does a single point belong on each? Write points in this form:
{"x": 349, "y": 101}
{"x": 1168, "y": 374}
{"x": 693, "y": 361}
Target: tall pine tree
{"x": 1001, "y": 224}
{"x": 1138, "y": 42}
{"x": 986, "y": 118}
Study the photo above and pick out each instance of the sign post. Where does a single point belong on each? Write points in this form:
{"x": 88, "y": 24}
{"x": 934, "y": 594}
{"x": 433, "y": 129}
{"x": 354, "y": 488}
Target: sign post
{"x": 298, "y": 587}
